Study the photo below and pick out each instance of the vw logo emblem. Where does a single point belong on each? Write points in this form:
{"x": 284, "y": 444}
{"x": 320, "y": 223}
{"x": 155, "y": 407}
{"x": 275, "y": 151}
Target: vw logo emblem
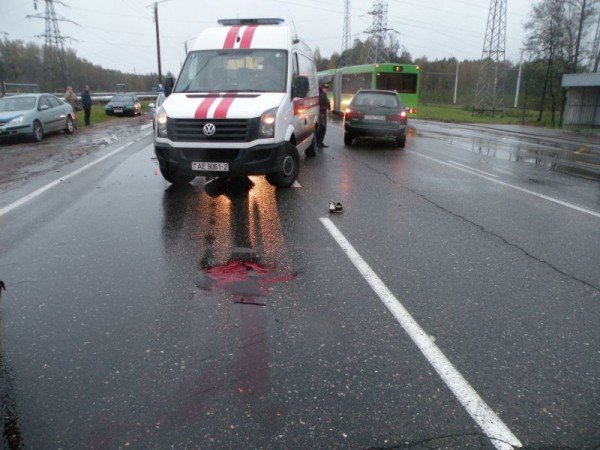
{"x": 209, "y": 129}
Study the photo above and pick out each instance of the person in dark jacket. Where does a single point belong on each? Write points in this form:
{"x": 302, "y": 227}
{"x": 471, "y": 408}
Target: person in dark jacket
{"x": 86, "y": 102}
{"x": 324, "y": 107}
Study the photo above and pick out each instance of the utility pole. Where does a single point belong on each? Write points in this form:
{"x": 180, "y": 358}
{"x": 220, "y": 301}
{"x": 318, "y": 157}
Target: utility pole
{"x": 155, "y": 16}
{"x": 55, "y": 66}
{"x": 157, "y": 42}
{"x": 519, "y": 81}
{"x": 456, "y": 82}
{"x": 490, "y": 84}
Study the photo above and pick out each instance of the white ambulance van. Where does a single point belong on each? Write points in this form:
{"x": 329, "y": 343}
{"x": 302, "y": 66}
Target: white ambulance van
{"x": 246, "y": 102}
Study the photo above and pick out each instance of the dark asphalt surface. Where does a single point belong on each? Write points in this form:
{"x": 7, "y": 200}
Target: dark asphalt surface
{"x": 127, "y": 323}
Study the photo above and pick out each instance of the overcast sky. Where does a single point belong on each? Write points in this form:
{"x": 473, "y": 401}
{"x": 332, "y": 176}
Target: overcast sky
{"x": 121, "y": 35}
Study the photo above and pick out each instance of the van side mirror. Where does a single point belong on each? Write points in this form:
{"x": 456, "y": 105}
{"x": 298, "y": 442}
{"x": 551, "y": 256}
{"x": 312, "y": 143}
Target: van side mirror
{"x": 300, "y": 87}
{"x": 169, "y": 83}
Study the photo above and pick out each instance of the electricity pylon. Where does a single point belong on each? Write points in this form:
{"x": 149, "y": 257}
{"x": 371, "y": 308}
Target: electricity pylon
{"x": 55, "y": 66}
{"x": 346, "y": 44}
{"x": 377, "y": 51}
{"x": 490, "y": 84}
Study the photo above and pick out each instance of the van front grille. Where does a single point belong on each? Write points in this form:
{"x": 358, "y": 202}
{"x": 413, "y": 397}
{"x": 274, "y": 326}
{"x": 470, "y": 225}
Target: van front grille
{"x": 225, "y": 130}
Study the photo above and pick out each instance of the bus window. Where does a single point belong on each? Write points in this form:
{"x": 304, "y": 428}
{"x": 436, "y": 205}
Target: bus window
{"x": 403, "y": 83}
{"x": 351, "y": 83}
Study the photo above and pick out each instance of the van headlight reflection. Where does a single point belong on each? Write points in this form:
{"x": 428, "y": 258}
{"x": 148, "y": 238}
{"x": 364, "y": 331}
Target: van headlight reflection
{"x": 161, "y": 123}
{"x": 266, "y": 128}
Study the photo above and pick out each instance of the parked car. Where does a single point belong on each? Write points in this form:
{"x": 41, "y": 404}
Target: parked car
{"x": 123, "y": 105}
{"x": 375, "y": 113}
{"x": 34, "y": 115}
{"x": 160, "y": 98}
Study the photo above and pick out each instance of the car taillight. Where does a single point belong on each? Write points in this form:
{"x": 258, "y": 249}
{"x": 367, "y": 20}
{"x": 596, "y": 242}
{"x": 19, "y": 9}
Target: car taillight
{"x": 350, "y": 114}
{"x": 397, "y": 117}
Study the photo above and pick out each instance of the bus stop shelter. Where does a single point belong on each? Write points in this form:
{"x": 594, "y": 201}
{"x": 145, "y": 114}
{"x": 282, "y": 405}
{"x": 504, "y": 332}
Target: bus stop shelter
{"x": 582, "y": 107}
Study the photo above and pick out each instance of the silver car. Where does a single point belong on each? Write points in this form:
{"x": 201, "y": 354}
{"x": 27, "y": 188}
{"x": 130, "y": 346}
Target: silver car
{"x": 34, "y": 115}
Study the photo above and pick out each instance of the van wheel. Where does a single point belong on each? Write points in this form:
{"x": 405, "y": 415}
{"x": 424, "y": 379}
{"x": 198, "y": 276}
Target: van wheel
{"x": 348, "y": 139}
{"x": 290, "y": 168}
{"x": 401, "y": 141}
{"x": 38, "y": 131}
{"x": 312, "y": 149}
{"x": 70, "y": 127}
{"x": 176, "y": 177}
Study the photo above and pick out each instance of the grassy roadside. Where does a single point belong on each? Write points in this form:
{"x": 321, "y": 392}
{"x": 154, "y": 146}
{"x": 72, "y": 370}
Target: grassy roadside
{"x": 461, "y": 114}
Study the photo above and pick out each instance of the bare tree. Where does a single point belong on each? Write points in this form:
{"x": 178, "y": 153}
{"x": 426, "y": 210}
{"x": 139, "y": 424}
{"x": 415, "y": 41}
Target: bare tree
{"x": 579, "y": 16}
{"x": 544, "y": 42}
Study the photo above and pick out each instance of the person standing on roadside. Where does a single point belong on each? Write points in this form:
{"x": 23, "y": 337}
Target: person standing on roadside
{"x": 324, "y": 107}
{"x": 71, "y": 99}
{"x": 86, "y": 102}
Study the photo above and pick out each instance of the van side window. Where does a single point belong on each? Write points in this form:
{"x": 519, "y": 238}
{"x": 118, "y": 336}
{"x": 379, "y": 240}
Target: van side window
{"x": 295, "y": 68}
{"x": 306, "y": 68}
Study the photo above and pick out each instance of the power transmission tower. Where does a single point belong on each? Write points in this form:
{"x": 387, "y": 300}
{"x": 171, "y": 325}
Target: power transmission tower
{"x": 346, "y": 44}
{"x": 490, "y": 84}
{"x": 55, "y": 66}
{"x": 377, "y": 51}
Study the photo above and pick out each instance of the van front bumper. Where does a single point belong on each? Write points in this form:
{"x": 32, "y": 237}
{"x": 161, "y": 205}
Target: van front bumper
{"x": 256, "y": 160}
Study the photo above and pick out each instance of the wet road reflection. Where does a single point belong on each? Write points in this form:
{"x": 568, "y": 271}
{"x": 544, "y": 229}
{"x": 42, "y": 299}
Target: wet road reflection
{"x": 231, "y": 229}
{"x": 551, "y": 152}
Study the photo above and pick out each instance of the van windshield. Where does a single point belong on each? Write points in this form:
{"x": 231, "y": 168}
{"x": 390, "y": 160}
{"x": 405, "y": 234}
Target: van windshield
{"x": 237, "y": 70}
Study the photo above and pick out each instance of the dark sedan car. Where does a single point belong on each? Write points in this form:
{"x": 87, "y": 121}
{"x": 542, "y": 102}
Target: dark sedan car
{"x": 375, "y": 113}
{"x": 123, "y": 105}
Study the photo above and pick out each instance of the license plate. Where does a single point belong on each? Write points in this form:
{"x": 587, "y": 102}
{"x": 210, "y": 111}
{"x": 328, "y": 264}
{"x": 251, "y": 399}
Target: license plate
{"x": 118, "y": 110}
{"x": 211, "y": 166}
{"x": 374, "y": 117}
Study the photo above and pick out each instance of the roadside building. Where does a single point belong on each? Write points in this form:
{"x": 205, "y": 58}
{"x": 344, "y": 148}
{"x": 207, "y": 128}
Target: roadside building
{"x": 582, "y": 107}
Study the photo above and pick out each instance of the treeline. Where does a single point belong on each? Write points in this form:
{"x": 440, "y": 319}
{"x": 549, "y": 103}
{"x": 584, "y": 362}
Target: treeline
{"x": 22, "y": 62}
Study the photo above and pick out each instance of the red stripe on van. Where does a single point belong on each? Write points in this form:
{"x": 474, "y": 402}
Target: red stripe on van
{"x": 223, "y": 107}
{"x": 203, "y": 107}
{"x": 231, "y": 36}
{"x": 247, "y": 37}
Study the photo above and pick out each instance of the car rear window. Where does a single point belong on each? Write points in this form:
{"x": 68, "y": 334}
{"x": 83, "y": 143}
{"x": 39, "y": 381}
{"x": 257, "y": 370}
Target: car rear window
{"x": 376, "y": 99}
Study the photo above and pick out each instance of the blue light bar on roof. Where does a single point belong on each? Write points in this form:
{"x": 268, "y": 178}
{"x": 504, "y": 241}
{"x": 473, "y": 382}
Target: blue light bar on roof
{"x": 233, "y": 22}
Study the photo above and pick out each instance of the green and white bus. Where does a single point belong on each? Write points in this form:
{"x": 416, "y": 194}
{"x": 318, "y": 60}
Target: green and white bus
{"x": 343, "y": 83}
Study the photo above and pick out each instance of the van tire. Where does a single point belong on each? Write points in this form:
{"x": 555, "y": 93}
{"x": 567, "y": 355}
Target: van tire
{"x": 176, "y": 177}
{"x": 312, "y": 148}
{"x": 290, "y": 168}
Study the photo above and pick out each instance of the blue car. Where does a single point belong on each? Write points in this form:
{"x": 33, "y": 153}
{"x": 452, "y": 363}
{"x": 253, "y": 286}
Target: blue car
{"x": 34, "y": 115}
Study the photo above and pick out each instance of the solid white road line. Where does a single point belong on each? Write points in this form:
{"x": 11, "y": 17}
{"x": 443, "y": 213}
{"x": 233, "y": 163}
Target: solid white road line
{"x": 472, "y": 168}
{"x": 50, "y": 185}
{"x": 527, "y": 191}
{"x": 499, "y": 434}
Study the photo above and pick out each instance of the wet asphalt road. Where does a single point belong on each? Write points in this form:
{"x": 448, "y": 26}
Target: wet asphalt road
{"x": 231, "y": 315}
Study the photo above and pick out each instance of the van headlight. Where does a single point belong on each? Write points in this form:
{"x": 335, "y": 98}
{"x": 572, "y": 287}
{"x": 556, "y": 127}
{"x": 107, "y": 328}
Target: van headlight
{"x": 161, "y": 123}
{"x": 266, "y": 128}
